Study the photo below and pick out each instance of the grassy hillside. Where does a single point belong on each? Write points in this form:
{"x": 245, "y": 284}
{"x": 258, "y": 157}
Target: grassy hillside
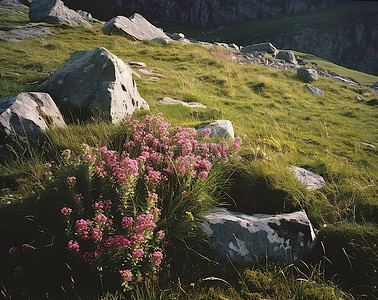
{"x": 281, "y": 124}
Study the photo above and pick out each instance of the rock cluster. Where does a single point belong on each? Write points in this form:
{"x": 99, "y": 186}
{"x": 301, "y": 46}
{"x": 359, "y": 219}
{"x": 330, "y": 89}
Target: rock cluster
{"x": 55, "y": 12}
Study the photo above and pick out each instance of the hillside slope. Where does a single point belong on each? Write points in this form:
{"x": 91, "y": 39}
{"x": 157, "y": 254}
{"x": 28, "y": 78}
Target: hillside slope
{"x": 281, "y": 124}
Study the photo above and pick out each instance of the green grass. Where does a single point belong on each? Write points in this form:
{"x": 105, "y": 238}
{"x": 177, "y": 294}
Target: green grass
{"x": 269, "y": 109}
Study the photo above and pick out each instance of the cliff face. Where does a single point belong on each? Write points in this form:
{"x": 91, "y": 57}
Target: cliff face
{"x": 353, "y": 45}
{"x": 199, "y": 13}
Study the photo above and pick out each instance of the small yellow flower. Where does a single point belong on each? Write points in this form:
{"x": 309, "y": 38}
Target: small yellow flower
{"x": 190, "y": 215}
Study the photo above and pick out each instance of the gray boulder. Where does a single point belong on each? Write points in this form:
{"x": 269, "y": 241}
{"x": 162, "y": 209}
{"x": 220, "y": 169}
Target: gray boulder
{"x": 95, "y": 81}
{"x": 26, "y": 116}
{"x": 135, "y": 28}
{"x": 263, "y": 47}
{"x": 55, "y": 12}
{"x": 175, "y": 36}
{"x": 311, "y": 180}
{"x": 26, "y": 2}
{"x": 160, "y": 40}
{"x": 168, "y": 100}
{"x": 314, "y": 90}
{"x": 287, "y": 56}
{"x": 221, "y": 128}
{"x": 252, "y": 238}
{"x": 307, "y": 75}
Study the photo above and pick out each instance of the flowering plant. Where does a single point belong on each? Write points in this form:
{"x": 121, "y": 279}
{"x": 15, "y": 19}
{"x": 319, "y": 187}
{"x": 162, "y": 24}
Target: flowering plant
{"x": 122, "y": 203}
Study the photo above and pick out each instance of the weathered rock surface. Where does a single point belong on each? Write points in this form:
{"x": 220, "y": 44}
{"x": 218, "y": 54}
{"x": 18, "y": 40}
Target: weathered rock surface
{"x": 262, "y": 47}
{"x": 221, "y": 128}
{"x": 55, "y": 12}
{"x": 287, "y": 56}
{"x": 27, "y": 115}
{"x": 311, "y": 180}
{"x": 352, "y": 44}
{"x": 137, "y": 63}
{"x": 250, "y": 238}
{"x": 168, "y": 100}
{"x": 200, "y": 12}
{"x": 25, "y": 32}
{"x": 95, "y": 81}
{"x": 307, "y": 75}
{"x": 314, "y": 90}
{"x": 87, "y": 16}
{"x": 135, "y": 28}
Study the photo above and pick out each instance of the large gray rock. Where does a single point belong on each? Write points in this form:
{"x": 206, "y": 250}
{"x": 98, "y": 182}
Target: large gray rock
{"x": 262, "y": 47}
{"x": 307, "y": 75}
{"x": 287, "y": 56}
{"x": 314, "y": 90}
{"x": 251, "y": 238}
{"x": 135, "y": 28}
{"x": 55, "y": 12}
{"x": 221, "y": 128}
{"x": 26, "y": 116}
{"x": 95, "y": 81}
{"x": 311, "y": 180}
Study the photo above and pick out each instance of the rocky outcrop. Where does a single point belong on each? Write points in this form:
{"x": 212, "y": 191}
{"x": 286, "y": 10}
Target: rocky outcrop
{"x": 199, "y": 12}
{"x": 262, "y": 47}
{"x": 26, "y": 116}
{"x": 353, "y": 44}
{"x": 136, "y": 28}
{"x": 307, "y": 75}
{"x": 252, "y": 238}
{"x": 220, "y": 128}
{"x": 287, "y": 56}
{"x": 55, "y": 12}
{"x": 95, "y": 81}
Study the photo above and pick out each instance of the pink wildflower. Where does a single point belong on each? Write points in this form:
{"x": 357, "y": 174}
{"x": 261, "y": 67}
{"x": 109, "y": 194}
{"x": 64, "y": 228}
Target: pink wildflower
{"x": 78, "y": 198}
{"x": 205, "y": 132}
{"x": 126, "y": 275}
{"x": 100, "y": 218}
{"x": 235, "y": 143}
{"x": 127, "y": 223}
{"x": 71, "y": 180}
{"x": 160, "y": 234}
{"x": 66, "y": 211}
{"x": 203, "y": 174}
{"x": 12, "y": 250}
{"x": 138, "y": 253}
{"x": 157, "y": 257}
{"x": 73, "y": 245}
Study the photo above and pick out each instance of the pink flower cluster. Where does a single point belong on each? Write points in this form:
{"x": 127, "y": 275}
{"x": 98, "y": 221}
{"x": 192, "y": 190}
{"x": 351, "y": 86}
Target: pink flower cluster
{"x": 71, "y": 180}
{"x": 73, "y": 245}
{"x": 121, "y": 167}
{"x": 157, "y": 257}
{"x": 126, "y": 275}
{"x": 66, "y": 211}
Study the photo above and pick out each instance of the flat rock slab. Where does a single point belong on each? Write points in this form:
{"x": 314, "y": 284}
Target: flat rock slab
{"x": 314, "y": 90}
{"x": 95, "y": 81}
{"x": 55, "y": 12}
{"x": 26, "y": 32}
{"x": 168, "y": 100}
{"x": 262, "y": 47}
{"x": 136, "y": 28}
{"x": 252, "y": 238}
{"x": 287, "y": 56}
{"x": 311, "y": 180}
{"x": 149, "y": 72}
{"x": 367, "y": 145}
{"x": 137, "y": 63}
{"x": 220, "y": 128}
{"x": 27, "y": 115}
